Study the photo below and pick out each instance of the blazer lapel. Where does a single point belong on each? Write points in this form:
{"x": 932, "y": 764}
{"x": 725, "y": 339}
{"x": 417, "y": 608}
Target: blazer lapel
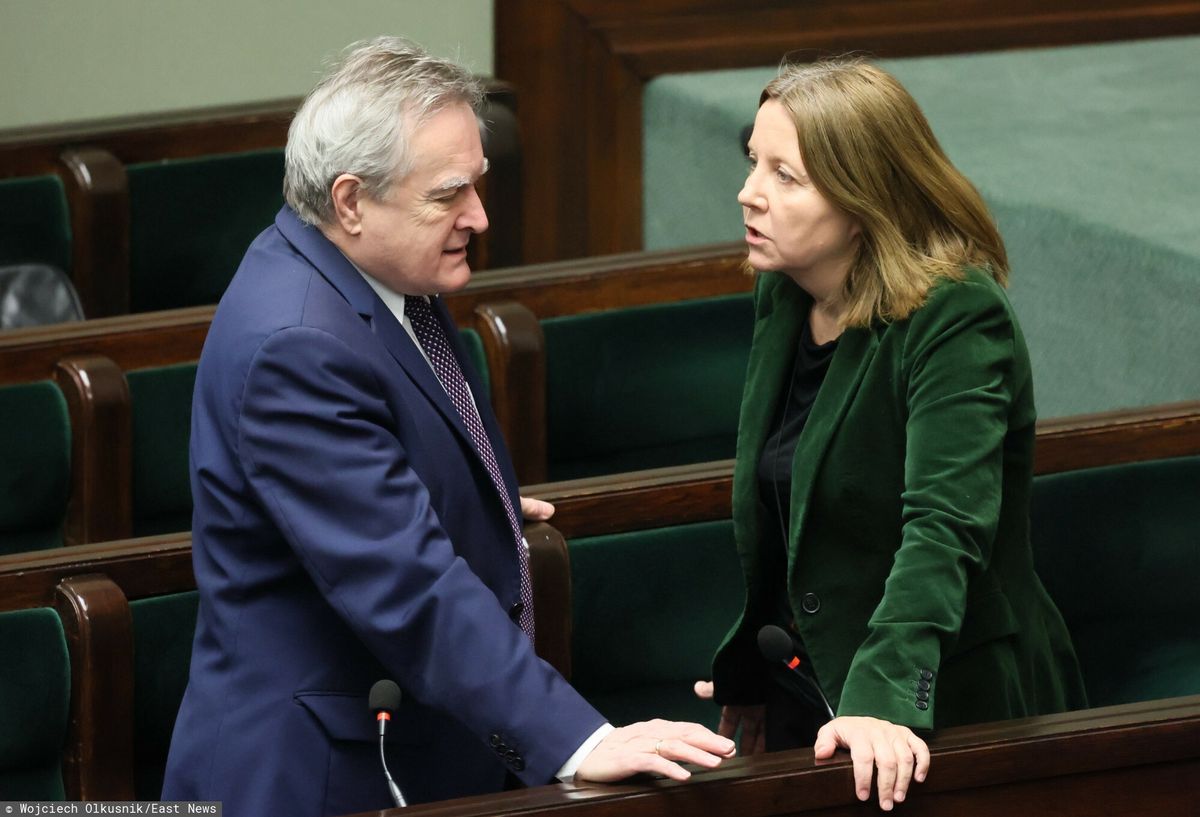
{"x": 342, "y": 275}
{"x": 855, "y": 351}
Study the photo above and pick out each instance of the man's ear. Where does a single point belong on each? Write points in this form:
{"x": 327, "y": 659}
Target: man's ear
{"x": 347, "y": 195}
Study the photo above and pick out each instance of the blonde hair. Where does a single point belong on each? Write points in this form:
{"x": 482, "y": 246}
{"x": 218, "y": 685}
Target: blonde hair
{"x": 869, "y": 150}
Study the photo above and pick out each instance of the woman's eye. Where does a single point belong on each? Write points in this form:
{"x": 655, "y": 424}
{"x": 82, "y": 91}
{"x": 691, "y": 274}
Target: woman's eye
{"x": 783, "y": 175}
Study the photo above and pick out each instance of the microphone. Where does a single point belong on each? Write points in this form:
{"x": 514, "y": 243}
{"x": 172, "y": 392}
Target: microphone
{"x": 775, "y": 644}
{"x": 383, "y": 701}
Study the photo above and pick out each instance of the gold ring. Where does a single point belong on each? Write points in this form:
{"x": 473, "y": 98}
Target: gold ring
{"x": 657, "y": 746}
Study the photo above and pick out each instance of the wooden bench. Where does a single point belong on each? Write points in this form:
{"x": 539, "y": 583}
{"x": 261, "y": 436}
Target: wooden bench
{"x": 94, "y": 161}
{"x": 91, "y": 361}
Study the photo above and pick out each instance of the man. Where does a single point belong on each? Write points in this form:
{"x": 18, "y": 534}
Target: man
{"x": 355, "y": 508}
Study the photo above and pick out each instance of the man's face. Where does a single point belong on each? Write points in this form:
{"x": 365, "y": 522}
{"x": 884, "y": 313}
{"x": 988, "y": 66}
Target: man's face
{"x": 414, "y": 239}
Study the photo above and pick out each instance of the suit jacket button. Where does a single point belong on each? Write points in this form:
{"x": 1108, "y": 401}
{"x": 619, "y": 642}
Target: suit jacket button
{"x": 811, "y": 603}
{"x": 517, "y": 764}
{"x": 923, "y": 685}
{"x": 495, "y": 741}
{"x": 922, "y": 705}
{"x": 922, "y": 695}
{"x": 926, "y": 675}
{"x": 515, "y": 611}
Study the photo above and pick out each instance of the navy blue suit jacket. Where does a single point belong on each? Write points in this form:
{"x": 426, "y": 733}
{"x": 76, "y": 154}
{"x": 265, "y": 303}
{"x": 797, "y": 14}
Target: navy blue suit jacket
{"x": 345, "y": 531}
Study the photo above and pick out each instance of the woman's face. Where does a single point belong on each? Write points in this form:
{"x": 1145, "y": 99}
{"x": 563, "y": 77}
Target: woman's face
{"x": 790, "y": 226}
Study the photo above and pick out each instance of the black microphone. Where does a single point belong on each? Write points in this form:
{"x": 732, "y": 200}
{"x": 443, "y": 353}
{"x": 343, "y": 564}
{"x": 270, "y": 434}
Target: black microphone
{"x": 383, "y": 701}
{"x": 775, "y": 644}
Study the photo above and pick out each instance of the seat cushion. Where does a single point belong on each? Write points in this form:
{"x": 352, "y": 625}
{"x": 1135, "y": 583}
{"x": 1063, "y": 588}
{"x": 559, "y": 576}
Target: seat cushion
{"x": 162, "y": 416}
{"x": 650, "y": 608}
{"x": 35, "y": 694}
{"x": 645, "y": 387}
{"x": 35, "y": 223}
{"x": 163, "y": 628}
{"x": 35, "y": 468}
{"x": 1118, "y": 549}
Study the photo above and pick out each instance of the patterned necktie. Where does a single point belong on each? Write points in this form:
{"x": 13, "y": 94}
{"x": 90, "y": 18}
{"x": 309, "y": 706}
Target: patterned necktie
{"x": 437, "y": 348}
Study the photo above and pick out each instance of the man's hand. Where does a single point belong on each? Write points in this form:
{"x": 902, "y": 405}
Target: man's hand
{"x": 653, "y": 747}
{"x": 893, "y": 749}
{"x": 750, "y": 718}
{"x": 536, "y": 510}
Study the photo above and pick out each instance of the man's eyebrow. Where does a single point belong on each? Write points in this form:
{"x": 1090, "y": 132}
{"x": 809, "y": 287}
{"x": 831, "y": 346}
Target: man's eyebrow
{"x": 456, "y": 182}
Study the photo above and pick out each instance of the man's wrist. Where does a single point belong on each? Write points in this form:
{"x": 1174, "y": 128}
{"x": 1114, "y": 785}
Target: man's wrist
{"x": 568, "y": 769}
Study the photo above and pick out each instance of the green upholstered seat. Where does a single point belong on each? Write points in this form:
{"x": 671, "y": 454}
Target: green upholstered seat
{"x": 650, "y": 608}
{"x": 645, "y": 387}
{"x": 162, "y": 652}
{"x": 35, "y": 223}
{"x": 162, "y": 416}
{"x": 191, "y": 221}
{"x": 1118, "y": 549}
{"x": 35, "y": 466}
{"x": 35, "y": 695}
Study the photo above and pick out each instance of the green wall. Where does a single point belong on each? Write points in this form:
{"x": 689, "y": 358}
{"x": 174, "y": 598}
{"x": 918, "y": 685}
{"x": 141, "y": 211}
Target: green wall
{"x": 66, "y": 60}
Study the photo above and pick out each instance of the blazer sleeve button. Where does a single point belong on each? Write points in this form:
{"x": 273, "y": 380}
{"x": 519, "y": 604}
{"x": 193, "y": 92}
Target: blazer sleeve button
{"x": 810, "y": 603}
{"x": 515, "y": 611}
{"x": 922, "y": 705}
{"x": 926, "y": 675}
{"x": 923, "y": 685}
{"x": 495, "y": 741}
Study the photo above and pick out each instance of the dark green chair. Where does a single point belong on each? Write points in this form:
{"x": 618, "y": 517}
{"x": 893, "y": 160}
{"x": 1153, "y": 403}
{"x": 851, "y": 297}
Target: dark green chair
{"x": 1118, "y": 549}
{"x": 191, "y": 221}
{"x": 650, "y": 608}
{"x": 162, "y": 416}
{"x": 35, "y": 466}
{"x": 645, "y": 387}
{"x": 35, "y": 696}
{"x": 35, "y": 222}
{"x": 163, "y": 628}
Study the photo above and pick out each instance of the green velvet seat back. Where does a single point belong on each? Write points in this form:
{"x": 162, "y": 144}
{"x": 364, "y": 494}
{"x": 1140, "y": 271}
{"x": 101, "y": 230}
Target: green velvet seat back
{"x": 35, "y": 695}
{"x": 650, "y": 608}
{"x": 645, "y": 387}
{"x": 35, "y": 223}
{"x": 162, "y": 416}
{"x": 478, "y": 358}
{"x": 35, "y": 466}
{"x": 162, "y": 653}
{"x": 191, "y": 221}
{"x": 1118, "y": 549}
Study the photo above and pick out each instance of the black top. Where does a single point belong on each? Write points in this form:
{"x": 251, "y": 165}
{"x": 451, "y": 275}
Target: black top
{"x": 775, "y": 463}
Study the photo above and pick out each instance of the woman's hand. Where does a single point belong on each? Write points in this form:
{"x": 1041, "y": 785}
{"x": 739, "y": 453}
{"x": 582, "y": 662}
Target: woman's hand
{"x": 750, "y": 718}
{"x": 891, "y": 748}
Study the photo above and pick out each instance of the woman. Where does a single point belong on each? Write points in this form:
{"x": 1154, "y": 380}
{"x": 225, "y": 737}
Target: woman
{"x": 885, "y": 448}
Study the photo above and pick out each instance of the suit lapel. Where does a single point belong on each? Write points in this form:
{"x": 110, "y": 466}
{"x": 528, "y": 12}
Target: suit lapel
{"x": 343, "y": 277}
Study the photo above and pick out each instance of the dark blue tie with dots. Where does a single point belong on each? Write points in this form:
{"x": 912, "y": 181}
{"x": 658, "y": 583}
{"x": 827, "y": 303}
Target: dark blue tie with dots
{"x": 437, "y": 348}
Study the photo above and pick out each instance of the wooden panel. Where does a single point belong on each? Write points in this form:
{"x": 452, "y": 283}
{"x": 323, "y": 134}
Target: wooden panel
{"x": 516, "y": 356}
{"x": 550, "y": 573}
{"x": 101, "y": 504}
{"x": 1136, "y": 759}
{"x": 98, "y": 197}
{"x": 98, "y": 757}
{"x": 701, "y": 493}
{"x": 586, "y": 62}
{"x": 130, "y": 341}
{"x": 608, "y": 282}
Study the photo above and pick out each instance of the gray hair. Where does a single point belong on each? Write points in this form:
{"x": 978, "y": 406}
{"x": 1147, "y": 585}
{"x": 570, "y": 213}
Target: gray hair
{"x": 360, "y": 118}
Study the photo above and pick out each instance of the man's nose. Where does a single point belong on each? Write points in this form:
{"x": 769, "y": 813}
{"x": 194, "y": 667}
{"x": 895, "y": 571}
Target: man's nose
{"x": 473, "y": 217}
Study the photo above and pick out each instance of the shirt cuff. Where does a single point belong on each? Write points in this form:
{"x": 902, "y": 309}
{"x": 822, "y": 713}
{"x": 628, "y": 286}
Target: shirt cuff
{"x": 568, "y": 769}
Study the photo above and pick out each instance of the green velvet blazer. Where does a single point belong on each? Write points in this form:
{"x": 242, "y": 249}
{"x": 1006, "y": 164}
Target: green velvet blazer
{"x": 909, "y": 571}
